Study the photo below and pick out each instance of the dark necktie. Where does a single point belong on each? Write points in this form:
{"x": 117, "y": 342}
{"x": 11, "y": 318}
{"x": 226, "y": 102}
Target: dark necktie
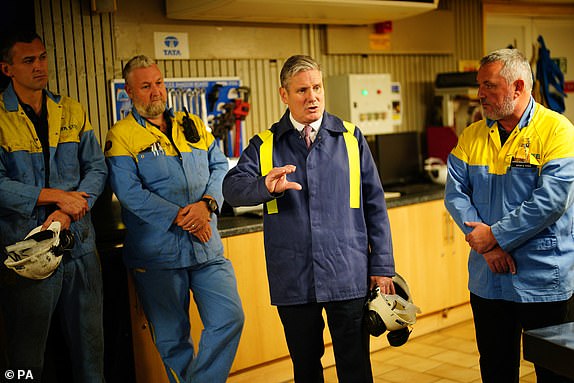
{"x": 307, "y": 132}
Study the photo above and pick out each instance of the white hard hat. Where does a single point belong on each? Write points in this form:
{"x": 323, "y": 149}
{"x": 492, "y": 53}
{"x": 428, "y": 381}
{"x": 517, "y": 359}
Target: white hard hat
{"x": 393, "y": 312}
{"x": 38, "y": 255}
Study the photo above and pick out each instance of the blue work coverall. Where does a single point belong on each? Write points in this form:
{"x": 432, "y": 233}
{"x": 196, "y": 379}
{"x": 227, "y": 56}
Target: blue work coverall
{"x": 527, "y": 202}
{"x": 523, "y": 189}
{"x": 153, "y": 177}
{"x": 75, "y": 289}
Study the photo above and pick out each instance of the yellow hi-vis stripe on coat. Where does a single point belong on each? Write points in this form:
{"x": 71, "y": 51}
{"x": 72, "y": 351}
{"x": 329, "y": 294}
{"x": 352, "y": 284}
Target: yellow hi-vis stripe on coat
{"x": 354, "y": 165}
{"x": 266, "y": 160}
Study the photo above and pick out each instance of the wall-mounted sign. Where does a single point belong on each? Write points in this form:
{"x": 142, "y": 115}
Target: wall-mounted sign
{"x": 380, "y": 41}
{"x": 171, "y": 45}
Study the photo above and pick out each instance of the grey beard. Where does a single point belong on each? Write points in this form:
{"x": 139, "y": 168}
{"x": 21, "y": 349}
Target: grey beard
{"x": 153, "y": 110}
{"x": 505, "y": 110}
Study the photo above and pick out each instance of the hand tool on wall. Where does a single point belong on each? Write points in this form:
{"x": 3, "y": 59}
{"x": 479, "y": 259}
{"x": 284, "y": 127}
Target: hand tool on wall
{"x": 240, "y": 111}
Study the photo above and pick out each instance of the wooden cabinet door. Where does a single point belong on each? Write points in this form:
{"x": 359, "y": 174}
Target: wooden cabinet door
{"x": 263, "y": 339}
{"x": 417, "y": 246}
{"x": 427, "y": 248}
{"x": 457, "y": 263}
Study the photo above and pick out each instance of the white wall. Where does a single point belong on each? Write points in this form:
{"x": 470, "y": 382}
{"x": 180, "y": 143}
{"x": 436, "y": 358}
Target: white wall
{"x": 523, "y": 32}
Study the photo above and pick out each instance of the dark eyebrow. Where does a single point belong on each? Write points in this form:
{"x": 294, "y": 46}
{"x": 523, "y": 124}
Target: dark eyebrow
{"x": 33, "y": 57}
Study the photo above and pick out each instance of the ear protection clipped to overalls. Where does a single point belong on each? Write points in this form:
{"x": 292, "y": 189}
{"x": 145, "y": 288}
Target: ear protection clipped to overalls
{"x": 393, "y": 313}
{"x": 40, "y": 253}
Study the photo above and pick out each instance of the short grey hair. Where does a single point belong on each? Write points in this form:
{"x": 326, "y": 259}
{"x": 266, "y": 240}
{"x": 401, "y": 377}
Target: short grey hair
{"x": 515, "y": 66}
{"x": 296, "y": 64}
{"x": 140, "y": 61}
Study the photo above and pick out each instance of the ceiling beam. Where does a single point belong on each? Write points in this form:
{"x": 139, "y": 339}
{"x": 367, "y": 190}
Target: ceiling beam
{"x": 529, "y": 8}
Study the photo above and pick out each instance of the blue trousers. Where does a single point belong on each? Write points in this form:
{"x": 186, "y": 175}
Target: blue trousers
{"x": 165, "y": 298}
{"x": 75, "y": 291}
{"x": 304, "y": 326}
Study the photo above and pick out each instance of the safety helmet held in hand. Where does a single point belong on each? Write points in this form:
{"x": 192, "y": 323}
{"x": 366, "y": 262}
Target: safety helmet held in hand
{"x": 39, "y": 254}
{"x": 394, "y": 313}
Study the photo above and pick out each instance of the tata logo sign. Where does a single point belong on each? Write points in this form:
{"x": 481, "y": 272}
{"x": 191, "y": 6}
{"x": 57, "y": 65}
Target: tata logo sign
{"x": 170, "y": 49}
{"x": 171, "y": 45}
{"x": 171, "y": 42}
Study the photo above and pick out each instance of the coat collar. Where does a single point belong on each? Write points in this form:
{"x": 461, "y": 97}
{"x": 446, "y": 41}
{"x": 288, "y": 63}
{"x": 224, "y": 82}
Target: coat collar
{"x": 524, "y": 120}
{"x": 11, "y": 98}
{"x": 142, "y": 121}
{"x": 330, "y": 123}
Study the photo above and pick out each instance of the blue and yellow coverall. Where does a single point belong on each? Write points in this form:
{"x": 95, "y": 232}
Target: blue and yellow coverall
{"x": 524, "y": 190}
{"x": 75, "y": 289}
{"x": 153, "y": 177}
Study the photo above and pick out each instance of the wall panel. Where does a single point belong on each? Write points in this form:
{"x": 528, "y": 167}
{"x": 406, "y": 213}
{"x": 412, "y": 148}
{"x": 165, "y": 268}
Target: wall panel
{"x": 84, "y": 59}
{"x": 81, "y": 55}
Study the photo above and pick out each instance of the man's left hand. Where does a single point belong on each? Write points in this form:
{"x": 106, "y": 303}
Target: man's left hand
{"x": 386, "y": 285}
{"x": 203, "y": 234}
{"x": 58, "y": 216}
{"x": 499, "y": 261}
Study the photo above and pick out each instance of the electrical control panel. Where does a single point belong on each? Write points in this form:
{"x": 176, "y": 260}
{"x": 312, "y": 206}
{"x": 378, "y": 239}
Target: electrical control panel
{"x": 370, "y": 101}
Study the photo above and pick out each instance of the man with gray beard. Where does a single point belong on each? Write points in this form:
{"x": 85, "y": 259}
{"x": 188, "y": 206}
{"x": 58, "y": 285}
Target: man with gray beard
{"x": 166, "y": 170}
{"x": 510, "y": 189}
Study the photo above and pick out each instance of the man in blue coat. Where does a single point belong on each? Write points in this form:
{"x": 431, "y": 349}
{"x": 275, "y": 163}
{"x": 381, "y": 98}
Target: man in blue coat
{"x": 326, "y": 229}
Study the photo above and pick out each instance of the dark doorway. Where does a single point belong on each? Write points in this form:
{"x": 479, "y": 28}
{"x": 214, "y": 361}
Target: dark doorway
{"x": 16, "y": 15}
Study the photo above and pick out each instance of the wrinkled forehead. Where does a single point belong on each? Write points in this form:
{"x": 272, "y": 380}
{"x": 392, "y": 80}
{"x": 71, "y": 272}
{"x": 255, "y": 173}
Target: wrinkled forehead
{"x": 305, "y": 78}
{"x": 144, "y": 74}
